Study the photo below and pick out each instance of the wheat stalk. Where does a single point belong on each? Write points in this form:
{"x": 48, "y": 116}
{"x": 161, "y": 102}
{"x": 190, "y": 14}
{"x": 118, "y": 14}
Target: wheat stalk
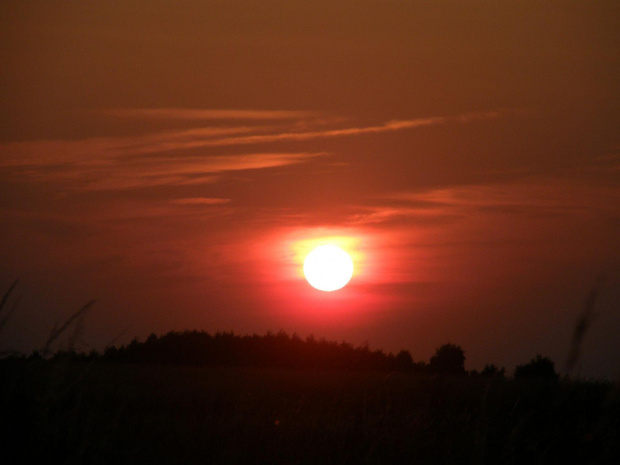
{"x": 56, "y": 332}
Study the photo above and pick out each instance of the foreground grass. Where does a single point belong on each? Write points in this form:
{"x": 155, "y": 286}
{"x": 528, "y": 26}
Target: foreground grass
{"x": 98, "y": 413}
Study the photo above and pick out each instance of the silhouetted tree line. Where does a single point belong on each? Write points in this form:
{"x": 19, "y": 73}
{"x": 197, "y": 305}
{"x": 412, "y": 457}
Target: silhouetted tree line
{"x": 271, "y": 350}
{"x": 199, "y": 348}
{"x": 281, "y": 350}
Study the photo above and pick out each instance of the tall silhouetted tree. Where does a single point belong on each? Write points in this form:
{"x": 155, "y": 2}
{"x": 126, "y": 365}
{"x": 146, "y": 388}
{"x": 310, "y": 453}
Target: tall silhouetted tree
{"x": 403, "y": 361}
{"x": 449, "y": 359}
{"x": 490, "y": 370}
{"x": 537, "y": 368}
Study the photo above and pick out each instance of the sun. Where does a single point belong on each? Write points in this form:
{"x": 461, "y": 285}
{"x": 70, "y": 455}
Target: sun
{"x": 328, "y": 268}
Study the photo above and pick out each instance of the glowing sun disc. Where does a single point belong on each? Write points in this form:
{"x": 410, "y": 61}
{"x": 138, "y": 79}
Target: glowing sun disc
{"x": 328, "y": 268}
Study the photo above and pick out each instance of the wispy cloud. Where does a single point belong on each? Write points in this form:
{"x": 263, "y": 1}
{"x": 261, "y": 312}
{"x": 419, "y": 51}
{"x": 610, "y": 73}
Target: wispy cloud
{"x": 175, "y": 171}
{"x": 530, "y": 197}
{"x": 390, "y": 126}
{"x": 171, "y": 157}
{"x": 378, "y": 215}
{"x": 100, "y": 150}
{"x": 200, "y": 201}
{"x": 531, "y": 194}
{"x": 206, "y": 114}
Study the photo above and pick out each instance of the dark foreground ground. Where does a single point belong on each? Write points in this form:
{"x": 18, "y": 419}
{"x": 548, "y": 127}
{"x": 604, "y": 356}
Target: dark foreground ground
{"x": 116, "y": 414}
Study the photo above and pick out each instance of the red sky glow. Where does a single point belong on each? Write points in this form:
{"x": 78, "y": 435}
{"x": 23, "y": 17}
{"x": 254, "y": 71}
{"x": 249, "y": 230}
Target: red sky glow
{"x": 178, "y": 160}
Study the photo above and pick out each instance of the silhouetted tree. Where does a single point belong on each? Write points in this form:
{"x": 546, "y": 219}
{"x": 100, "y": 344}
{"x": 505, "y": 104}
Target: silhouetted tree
{"x": 449, "y": 359}
{"x": 403, "y": 361}
{"x": 490, "y": 370}
{"x": 537, "y": 368}
{"x": 420, "y": 367}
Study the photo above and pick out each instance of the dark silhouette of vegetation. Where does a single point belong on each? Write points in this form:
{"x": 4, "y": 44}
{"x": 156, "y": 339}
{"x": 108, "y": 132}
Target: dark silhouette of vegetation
{"x": 77, "y": 320}
{"x": 195, "y": 397}
{"x": 275, "y": 350}
{"x": 279, "y": 350}
{"x": 490, "y": 370}
{"x": 542, "y": 368}
{"x": 75, "y": 323}
{"x": 58, "y": 412}
{"x": 271, "y": 350}
{"x": 583, "y": 323}
{"x": 404, "y": 361}
{"x": 449, "y": 359}
{"x": 199, "y": 348}
{"x": 6, "y": 315}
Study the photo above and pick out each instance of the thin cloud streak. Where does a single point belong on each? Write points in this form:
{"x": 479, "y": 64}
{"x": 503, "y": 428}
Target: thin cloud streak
{"x": 206, "y": 114}
{"x": 173, "y": 171}
{"x": 395, "y": 125}
{"x": 549, "y": 197}
{"x": 57, "y": 152}
{"x": 542, "y": 193}
{"x": 200, "y": 201}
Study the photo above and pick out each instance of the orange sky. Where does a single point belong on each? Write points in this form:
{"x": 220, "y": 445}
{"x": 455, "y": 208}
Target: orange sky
{"x": 175, "y": 160}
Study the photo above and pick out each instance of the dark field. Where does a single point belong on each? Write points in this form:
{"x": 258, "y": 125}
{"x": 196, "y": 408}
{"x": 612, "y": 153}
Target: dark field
{"x": 57, "y": 412}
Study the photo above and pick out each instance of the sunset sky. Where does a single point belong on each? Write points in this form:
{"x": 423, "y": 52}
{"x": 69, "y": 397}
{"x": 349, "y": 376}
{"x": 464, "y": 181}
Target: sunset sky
{"x": 176, "y": 161}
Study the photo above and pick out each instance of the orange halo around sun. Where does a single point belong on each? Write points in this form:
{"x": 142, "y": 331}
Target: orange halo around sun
{"x": 328, "y": 268}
